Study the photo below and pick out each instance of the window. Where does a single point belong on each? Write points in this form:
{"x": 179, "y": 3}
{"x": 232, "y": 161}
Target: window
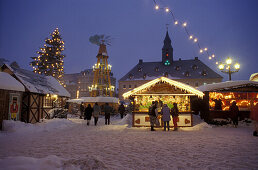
{"x": 144, "y": 76}
{"x": 130, "y": 86}
{"x": 139, "y": 69}
{"x": 187, "y": 74}
{"x": 166, "y": 74}
{"x": 194, "y": 67}
{"x": 130, "y": 76}
{"x": 124, "y": 86}
{"x": 204, "y": 73}
{"x": 196, "y": 84}
{"x": 135, "y": 86}
{"x": 177, "y": 68}
{"x": 156, "y": 69}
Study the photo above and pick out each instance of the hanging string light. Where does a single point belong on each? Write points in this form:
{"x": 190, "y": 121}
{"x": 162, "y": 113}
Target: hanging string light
{"x": 184, "y": 25}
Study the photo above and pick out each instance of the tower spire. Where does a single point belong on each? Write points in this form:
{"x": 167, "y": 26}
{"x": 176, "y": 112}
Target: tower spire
{"x": 167, "y": 51}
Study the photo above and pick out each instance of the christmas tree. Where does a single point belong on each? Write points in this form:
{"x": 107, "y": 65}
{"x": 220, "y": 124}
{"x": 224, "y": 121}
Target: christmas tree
{"x": 50, "y": 60}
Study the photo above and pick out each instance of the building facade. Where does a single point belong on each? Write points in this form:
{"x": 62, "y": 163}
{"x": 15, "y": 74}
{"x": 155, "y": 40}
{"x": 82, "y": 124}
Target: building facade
{"x": 77, "y": 84}
{"x": 192, "y": 72}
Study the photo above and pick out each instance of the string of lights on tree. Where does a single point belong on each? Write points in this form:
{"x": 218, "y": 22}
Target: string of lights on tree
{"x": 190, "y": 36}
{"x": 50, "y": 60}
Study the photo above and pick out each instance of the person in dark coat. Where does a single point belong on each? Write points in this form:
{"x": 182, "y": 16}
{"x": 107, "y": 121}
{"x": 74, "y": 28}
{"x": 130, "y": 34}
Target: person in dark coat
{"x": 81, "y": 110}
{"x": 175, "y": 113}
{"x": 121, "y": 110}
{"x": 107, "y": 110}
{"x": 165, "y": 111}
{"x": 234, "y": 113}
{"x": 88, "y": 114}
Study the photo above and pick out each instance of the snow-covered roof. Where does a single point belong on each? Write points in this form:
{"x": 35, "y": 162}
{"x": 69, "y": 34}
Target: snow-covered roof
{"x": 254, "y": 77}
{"x": 37, "y": 83}
{"x": 167, "y": 80}
{"x": 7, "y": 82}
{"x": 99, "y": 99}
{"x": 227, "y": 85}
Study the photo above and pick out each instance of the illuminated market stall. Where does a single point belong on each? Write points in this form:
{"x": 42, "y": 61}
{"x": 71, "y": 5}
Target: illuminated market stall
{"x": 245, "y": 93}
{"x": 164, "y": 91}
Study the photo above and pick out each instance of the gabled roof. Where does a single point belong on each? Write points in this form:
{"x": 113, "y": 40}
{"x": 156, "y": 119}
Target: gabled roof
{"x": 177, "y": 84}
{"x": 227, "y": 85}
{"x": 181, "y": 69}
{"x": 37, "y": 83}
{"x": 7, "y": 82}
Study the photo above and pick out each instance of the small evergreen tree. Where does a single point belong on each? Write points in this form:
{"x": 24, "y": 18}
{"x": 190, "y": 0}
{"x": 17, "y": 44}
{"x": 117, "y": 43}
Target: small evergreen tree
{"x": 50, "y": 60}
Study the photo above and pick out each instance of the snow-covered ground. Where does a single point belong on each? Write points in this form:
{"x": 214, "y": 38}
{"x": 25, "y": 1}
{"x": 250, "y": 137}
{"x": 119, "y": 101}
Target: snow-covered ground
{"x": 71, "y": 144}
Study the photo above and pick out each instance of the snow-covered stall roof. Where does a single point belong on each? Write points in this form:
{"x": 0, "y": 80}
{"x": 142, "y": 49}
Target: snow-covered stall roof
{"x": 254, "y": 77}
{"x": 37, "y": 83}
{"x": 7, "y": 82}
{"x": 167, "y": 80}
{"x": 227, "y": 85}
{"x": 98, "y": 99}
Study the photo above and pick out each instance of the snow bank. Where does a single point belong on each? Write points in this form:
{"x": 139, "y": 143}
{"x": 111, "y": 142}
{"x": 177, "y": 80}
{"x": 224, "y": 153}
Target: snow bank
{"x": 127, "y": 120}
{"x": 45, "y": 126}
{"x": 50, "y": 162}
{"x": 198, "y": 124}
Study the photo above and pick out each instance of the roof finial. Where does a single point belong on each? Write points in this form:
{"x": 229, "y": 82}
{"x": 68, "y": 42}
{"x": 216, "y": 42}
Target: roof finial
{"x": 167, "y": 26}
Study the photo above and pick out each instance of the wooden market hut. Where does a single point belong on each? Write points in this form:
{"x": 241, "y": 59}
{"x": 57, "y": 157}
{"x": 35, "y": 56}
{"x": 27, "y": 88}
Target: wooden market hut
{"x": 162, "y": 90}
{"x": 11, "y": 92}
{"x": 42, "y": 93}
{"x": 244, "y": 92}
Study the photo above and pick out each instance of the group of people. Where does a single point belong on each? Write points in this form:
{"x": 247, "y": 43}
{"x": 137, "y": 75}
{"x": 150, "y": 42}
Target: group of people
{"x": 95, "y": 111}
{"x": 165, "y": 112}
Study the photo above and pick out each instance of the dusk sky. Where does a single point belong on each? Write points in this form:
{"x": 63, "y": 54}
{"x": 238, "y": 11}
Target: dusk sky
{"x": 225, "y": 27}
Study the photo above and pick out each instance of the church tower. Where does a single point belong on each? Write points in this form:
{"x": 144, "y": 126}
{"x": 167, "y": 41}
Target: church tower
{"x": 167, "y": 51}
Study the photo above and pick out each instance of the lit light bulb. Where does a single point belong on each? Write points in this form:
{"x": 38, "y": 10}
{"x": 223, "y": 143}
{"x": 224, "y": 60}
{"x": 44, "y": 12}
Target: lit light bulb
{"x": 205, "y": 49}
{"x": 184, "y": 24}
{"x": 237, "y": 66}
{"x": 167, "y": 9}
{"x": 176, "y": 22}
{"x": 229, "y": 61}
{"x": 210, "y": 58}
{"x": 213, "y": 55}
{"x": 217, "y": 63}
{"x": 156, "y": 7}
{"x": 195, "y": 40}
{"x": 221, "y": 66}
{"x": 190, "y": 37}
{"x": 201, "y": 50}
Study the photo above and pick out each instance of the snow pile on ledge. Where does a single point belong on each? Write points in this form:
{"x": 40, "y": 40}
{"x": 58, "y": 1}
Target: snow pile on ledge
{"x": 50, "y": 162}
{"x": 45, "y": 126}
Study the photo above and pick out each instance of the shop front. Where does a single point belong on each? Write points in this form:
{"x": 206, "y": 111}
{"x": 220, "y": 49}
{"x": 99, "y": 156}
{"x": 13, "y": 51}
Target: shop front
{"x": 163, "y": 91}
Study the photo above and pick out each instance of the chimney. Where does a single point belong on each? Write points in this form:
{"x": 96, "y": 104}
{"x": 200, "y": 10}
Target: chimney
{"x": 140, "y": 61}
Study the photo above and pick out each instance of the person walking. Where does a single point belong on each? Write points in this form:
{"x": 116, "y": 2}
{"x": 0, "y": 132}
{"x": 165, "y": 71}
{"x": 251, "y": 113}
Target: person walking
{"x": 165, "y": 111}
{"x": 121, "y": 110}
{"x": 254, "y": 117}
{"x": 96, "y": 113}
{"x": 153, "y": 113}
{"x": 81, "y": 110}
{"x": 107, "y": 110}
{"x": 175, "y": 113}
{"x": 234, "y": 113}
{"x": 88, "y": 114}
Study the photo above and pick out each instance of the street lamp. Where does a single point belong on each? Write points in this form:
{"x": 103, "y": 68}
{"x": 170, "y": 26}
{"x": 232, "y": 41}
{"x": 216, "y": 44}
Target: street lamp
{"x": 227, "y": 67}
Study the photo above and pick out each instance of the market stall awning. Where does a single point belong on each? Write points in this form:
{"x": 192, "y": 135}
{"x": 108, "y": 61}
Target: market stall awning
{"x": 177, "y": 84}
{"x": 228, "y": 85}
{"x": 98, "y": 99}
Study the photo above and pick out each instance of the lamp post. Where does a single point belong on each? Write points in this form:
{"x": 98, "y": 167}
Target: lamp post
{"x": 227, "y": 67}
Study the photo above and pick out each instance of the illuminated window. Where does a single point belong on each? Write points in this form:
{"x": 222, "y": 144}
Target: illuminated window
{"x": 139, "y": 69}
{"x": 187, "y": 74}
{"x": 194, "y": 67}
{"x": 130, "y": 76}
{"x": 204, "y": 73}
{"x": 156, "y": 69}
{"x": 124, "y": 86}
